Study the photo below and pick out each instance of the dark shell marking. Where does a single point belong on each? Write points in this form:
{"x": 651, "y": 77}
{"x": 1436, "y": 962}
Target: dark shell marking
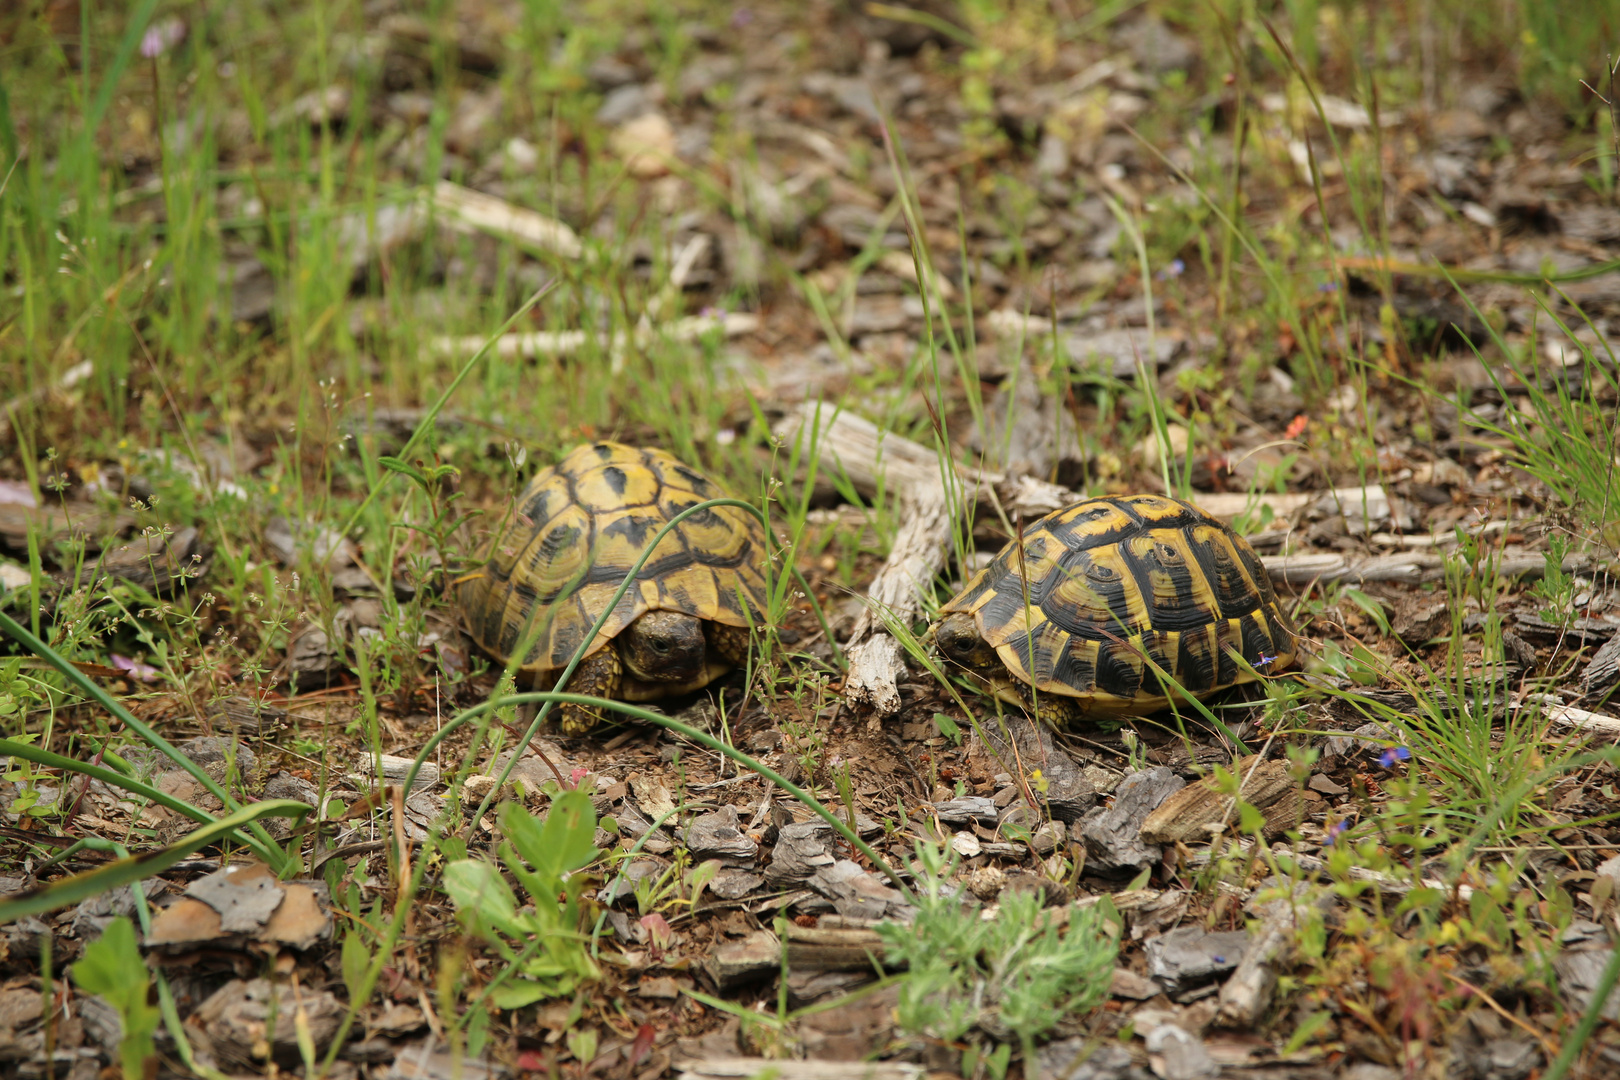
{"x": 582, "y": 523}
{"x": 1114, "y": 581}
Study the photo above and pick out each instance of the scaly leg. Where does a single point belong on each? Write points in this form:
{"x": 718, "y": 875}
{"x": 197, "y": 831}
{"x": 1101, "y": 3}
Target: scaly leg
{"x": 598, "y": 675}
{"x": 731, "y": 642}
{"x": 1059, "y": 711}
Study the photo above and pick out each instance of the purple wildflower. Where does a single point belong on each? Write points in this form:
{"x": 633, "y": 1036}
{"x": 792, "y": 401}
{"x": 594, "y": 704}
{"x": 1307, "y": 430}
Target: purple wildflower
{"x": 162, "y": 36}
{"x": 135, "y": 669}
{"x": 1334, "y": 831}
{"x": 1395, "y": 753}
{"x": 1175, "y": 269}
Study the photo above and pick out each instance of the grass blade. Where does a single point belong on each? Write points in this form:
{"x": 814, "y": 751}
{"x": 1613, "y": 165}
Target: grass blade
{"x": 267, "y": 847}
{"x": 81, "y": 887}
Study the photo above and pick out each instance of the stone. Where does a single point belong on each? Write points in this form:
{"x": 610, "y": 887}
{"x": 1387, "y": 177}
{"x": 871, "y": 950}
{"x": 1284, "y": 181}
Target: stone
{"x": 1190, "y": 956}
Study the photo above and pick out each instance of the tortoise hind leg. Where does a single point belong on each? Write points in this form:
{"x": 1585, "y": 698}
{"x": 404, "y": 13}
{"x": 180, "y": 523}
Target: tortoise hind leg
{"x": 598, "y": 675}
{"x": 731, "y": 642}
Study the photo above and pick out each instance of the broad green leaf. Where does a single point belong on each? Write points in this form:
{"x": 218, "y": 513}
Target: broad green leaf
{"x": 477, "y": 1030}
{"x": 515, "y": 995}
{"x": 563, "y": 843}
{"x": 112, "y": 968}
{"x": 1307, "y": 1028}
{"x": 476, "y": 887}
{"x": 356, "y": 958}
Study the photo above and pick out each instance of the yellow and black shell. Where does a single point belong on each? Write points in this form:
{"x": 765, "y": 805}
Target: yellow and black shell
{"x": 1114, "y": 581}
{"x": 581, "y": 525}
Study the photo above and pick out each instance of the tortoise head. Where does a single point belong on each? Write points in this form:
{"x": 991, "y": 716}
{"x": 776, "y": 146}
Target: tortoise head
{"x": 664, "y": 646}
{"x": 959, "y": 640}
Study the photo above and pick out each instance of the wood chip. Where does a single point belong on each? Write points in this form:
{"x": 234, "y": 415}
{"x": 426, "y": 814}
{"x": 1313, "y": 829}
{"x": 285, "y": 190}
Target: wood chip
{"x": 734, "y": 963}
{"x": 1112, "y": 834}
{"x": 1183, "y": 817}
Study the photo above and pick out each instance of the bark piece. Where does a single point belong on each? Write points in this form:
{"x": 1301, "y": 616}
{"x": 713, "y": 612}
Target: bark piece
{"x": 1185, "y": 816}
{"x": 158, "y": 564}
{"x": 801, "y": 849}
{"x": 966, "y": 810}
{"x": 427, "y": 1060}
{"x": 1112, "y": 834}
{"x": 244, "y": 895}
{"x": 1246, "y": 995}
{"x": 1021, "y": 434}
{"x": 1031, "y": 747}
{"x": 1297, "y": 571}
{"x": 234, "y": 1025}
{"x": 875, "y": 670}
{"x": 720, "y": 836}
{"x": 833, "y": 949}
{"x": 857, "y": 894}
{"x": 734, "y": 884}
{"x": 1177, "y": 1054}
{"x": 476, "y": 211}
{"x": 1578, "y": 974}
{"x": 1128, "y": 984}
{"x": 1420, "y": 617}
{"x": 1603, "y": 669}
{"x": 58, "y": 523}
{"x": 852, "y": 1031}
{"x": 734, "y": 963}
{"x": 807, "y": 986}
{"x": 1085, "y": 1058}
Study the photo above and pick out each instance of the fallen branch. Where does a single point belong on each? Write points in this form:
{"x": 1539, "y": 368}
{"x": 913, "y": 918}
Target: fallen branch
{"x": 564, "y": 342}
{"x": 486, "y": 213}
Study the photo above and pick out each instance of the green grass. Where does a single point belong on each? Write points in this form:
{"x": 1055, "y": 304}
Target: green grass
{"x": 134, "y": 188}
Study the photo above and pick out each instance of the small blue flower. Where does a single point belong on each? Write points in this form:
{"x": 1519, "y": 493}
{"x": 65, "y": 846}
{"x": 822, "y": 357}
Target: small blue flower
{"x": 1395, "y": 753}
{"x": 1328, "y": 287}
{"x": 1265, "y": 661}
{"x": 1334, "y": 831}
{"x": 1175, "y": 269}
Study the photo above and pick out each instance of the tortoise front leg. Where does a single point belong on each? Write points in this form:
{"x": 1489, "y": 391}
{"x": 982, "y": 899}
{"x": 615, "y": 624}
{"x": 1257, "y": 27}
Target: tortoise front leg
{"x": 598, "y": 675}
{"x": 731, "y": 642}
{"x": 1059, "y": 711}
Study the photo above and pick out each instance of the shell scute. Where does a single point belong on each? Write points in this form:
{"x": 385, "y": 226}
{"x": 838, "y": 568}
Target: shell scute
{"x": 580, "y": 526}
{"x": 1108, "y": 585}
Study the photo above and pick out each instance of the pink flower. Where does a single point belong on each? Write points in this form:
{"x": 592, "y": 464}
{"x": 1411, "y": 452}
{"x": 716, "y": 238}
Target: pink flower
{"x": 162, "y": 36}
{"x": 135, "y": 669}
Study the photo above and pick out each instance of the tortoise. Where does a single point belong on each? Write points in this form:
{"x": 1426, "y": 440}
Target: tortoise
{"x": 1075, "y": 607}
{"x": 580, "y": 526}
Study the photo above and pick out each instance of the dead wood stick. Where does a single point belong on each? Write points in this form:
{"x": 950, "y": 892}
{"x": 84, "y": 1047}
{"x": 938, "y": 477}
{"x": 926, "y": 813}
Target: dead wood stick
{"x": 839, "y": 949}
{"x": 1298, "y": 570}
{"x": 872, "y": 460}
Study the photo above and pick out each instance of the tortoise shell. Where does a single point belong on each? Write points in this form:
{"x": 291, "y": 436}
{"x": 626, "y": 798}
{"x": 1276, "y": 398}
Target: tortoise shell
{"x": 580, "y": 526}
{"x": 1113, "y": 581}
